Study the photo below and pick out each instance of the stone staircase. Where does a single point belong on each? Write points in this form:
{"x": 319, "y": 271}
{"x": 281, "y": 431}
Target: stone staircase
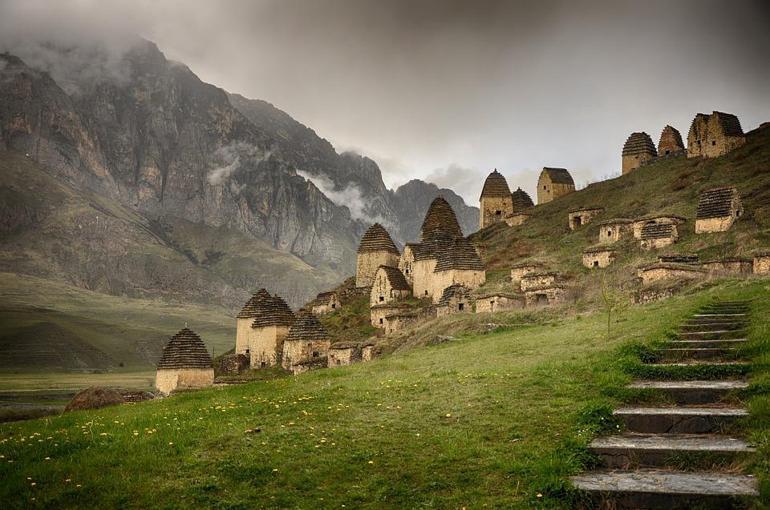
{"x": 685, "y": 454}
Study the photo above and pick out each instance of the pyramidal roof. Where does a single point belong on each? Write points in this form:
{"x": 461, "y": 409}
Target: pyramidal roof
{"x": 185, "y": 350}
{"x": 377, "y": 239}
{"x": 306, "y": 328}
{"x": 639, "y": 143}
{"x": 251, "y": 308}
{"x": 440, "y": 221}
{"x": 395, "y": 277}
{"x": 495, "y": 186}
{"x": 730, "y": 123}
{"x": 459, "y": 255}
{"x": 455, "y": 289}
{"x": 272, "y": 311}
{"x": 558, "y": 175}
{"x": 521, "y": 200}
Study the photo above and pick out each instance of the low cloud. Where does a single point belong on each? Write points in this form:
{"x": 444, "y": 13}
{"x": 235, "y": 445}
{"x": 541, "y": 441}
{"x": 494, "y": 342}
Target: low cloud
{"x": 350, "y": 196}
{"x": 230, "y": 158}
{"x": 464, "y": 181}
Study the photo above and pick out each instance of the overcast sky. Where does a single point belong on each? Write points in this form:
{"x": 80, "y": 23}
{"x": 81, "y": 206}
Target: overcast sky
{"x": 447, "y": 91}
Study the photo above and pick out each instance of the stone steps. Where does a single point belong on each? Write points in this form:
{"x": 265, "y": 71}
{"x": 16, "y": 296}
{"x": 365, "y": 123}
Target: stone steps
{"x": 679, "y": 420}
{"x": 666, "y": 489}
{"x": 692, "y": 392}
{"x": 729, "y": 342}
{"x": 657, "y": 450}
{"x": 721, "y": 334}
{"x": 690, "y": 434}
{"x": 678, "y": 353}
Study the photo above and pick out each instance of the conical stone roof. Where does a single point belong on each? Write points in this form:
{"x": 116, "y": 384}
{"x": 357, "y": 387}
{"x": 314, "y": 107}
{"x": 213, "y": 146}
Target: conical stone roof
{"x": 251, "y": 308}
{"x": 459, "y": 255}
{"x": 440, "y": 222}
{"x": 639, "y": 143}
{"x": 558, "y": 175}
{"x": 521, "y": 200}
{"x": 272, "y": 312}
{"x": 495, "y": 186}
{"x": 307, "y": 328}
{"x": 185, "y": 350}
{"x": 377, "y": 239}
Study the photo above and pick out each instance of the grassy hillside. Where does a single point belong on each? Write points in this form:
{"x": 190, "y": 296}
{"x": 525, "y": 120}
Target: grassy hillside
{"x": 47, "y": 327}
{"x": 669, "y": 186}
{"x": 485, "y": 420}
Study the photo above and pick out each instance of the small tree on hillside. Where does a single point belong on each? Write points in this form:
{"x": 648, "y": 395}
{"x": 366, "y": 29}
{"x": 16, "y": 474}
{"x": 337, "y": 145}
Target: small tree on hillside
{"x": 614, "y": 302}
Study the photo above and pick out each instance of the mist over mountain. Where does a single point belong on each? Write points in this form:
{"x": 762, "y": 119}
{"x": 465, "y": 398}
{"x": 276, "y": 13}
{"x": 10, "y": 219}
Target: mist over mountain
{"x": 194, "y": 166}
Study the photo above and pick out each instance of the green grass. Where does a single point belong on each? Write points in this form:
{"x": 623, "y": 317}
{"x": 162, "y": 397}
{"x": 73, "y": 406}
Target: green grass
{"x": 497, "y": 420}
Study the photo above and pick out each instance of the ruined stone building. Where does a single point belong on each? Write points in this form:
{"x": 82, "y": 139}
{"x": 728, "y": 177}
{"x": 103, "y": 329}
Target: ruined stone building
{"x": 347, "y": 353}
{"x": 325, "y": 302}
{"x": 542, "y": 289}
{"x": 454, "y": 299}
{"x": 184, "y": 364}
{"x": 389, "y": 285}
{"x": 518, "y": 271}
{"x": 730, "y": 266}
{"x": 582, "y": 216}
{"x": 637, "y": 151}
{"x": 614, "y": 230}
{"x": 498, "y": 302}
{"x": 598, "y": 256}
{"x": 496, "y": 202}
{"x": 713, "y": 135}
{"x": 522, "y": 203}
{"x": 380, "y": 313}
{"x": 306, "y": 346}
{"x": 261, "y": 327}
{"x": 376, "y": 249}
{"x": 718, "y": 208}
{"x": 670, "y": 143}
{"x": 663, "y": 271}
{"x": 553, "y": 183}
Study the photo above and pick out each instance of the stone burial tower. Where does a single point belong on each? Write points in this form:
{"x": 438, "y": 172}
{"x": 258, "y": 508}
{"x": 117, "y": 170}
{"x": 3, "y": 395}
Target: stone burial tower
{"x": 637, "y": 151}
{"x": 376, "y": 249}
{"x": 553, "y": 183}
{"x": 496, "y": 202}
{"x": 184, "y": 364}
{"x": 713, "y": 135}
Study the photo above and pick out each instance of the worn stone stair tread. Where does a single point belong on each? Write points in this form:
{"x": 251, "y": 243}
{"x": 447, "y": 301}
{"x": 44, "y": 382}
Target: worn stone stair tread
{"x": 704, "y": 362}
{"x": 699, "y": 342}
{"x": 657, "y": 481}
{"x": 673, "y": 442}
{"x": 719, "y": 315}
{"x": 682, "y": 411}
{"x": 698, "y": 349}
{"x": 712, "y": 332}
{"x": 689, "y": 385}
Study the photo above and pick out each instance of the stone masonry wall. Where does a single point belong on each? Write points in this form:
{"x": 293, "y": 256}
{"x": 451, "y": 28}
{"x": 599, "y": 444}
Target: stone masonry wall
{"x": 265, "y": 344}
{"x": 423, "y": 276}
{"x": 442, "y": 280}
{"x": 494, "y": 209}
{"x": 497, "y": 304}
{"x": 368, "y": 262}
{"x": 761, "y": 264}
{"x": 598, "y": 258}
{"x": 167, "y": 381}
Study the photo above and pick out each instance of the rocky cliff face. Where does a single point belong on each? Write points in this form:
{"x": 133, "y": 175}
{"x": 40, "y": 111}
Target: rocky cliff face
{"x": 168, "y": 147}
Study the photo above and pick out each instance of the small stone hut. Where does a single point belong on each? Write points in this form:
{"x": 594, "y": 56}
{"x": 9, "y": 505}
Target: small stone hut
{"x": 306, "y": 345}
{"x": 637, "y": 151}
{"x": 761, "y": 263}
{"x": 680, "y": 258}
{"x": 344, "y": 353}
{"x": 400, "y": 320}
{"x": 554, "y": 183}
{"x": 614, "y": 230}
{"x": 657, "y": 232}
{"x": 389, "y": 285}
{"x": 325, "y": 302}
{"x": 670, "y": 143}
{"x": 498, "y": 302}
{"x": 522, "y": 203}
{"x": 598, "y": 256}
{"x": 518, "y": 271}
{"x": 583, "y": 216}
{"x": 261, "y": 327}
{"x": 376, "y": 249}
{"x": 667, "y": 271}
{"x": 495, "y": 203}
{"x": 378, "y": 314}
{"x": 713, "y": 135}
{"x": 538, "y": 280}
{"x": 184, "y": 364}
{"x": 718, "y": 208}
{"x": 454, "y": 299}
